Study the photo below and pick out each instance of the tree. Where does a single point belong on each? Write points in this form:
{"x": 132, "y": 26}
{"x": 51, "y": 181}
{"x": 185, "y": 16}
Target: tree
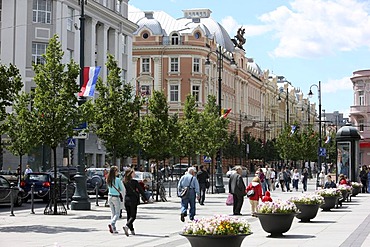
{"x": 190, "y": 131}
{"x": 20, "y": 127}
{"x": 115, "y": 113}
{"x": 55, "y": 102}
{"x": 10, "y": 85}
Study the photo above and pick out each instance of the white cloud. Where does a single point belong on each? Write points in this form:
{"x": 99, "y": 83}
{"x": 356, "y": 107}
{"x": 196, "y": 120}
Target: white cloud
{"x": 334, "y": 85}
{"x": 133, "y": 9}
{"x": 232, "y": 26}
{"x": 319, "y": 27}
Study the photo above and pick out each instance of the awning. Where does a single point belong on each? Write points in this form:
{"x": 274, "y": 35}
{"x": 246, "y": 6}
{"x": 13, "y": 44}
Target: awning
{"x": 364, "y": 144}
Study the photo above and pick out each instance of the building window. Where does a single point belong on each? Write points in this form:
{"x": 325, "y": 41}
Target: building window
{"x": 174, "y": 93}
{"x": 174, "y": 66}
{"x": 361, "y": 98}
{"x": 69, "y": 54}
{"x": 118, "y": 6}
{"x": 124, "y": 42}
{"x": 196, "y": 65}
{"x": 70, "y": 21}
{"x": 145, "y": 35}
{"x": 197, "y": 35}
{"x": 195, "y": 91}
{"x": 1, "y": 7}
{"x": 145, "y": 65}
{"x": 145, "y": 90}
{"x": 42, "y": 11}
{"x": 175, "y": 39}
{"x": 361, "y": 125}
{"x": 124, "y": 76}
{"x": 38, "y": 49}
{"x": 105, "y": 3}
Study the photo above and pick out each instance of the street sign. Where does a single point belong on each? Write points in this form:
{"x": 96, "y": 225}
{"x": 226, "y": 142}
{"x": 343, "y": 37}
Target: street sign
{"x": 81, "y": 126}
{"x": 207, "y": 159}
{"x": 81, "y": 135}
{"x": 322, "y": 152}
{"x": 71, "y": 143}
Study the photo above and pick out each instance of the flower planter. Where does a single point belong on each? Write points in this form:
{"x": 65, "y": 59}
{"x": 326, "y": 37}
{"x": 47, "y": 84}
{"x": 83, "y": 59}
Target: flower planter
{"x": 276, "y": 224}
{"x": 356, "y": 191}
{"x": 344, "y": 194}
{"x": 215, "y": 240}
{"x": 307, "y": 211}
{"x": 329, "y": 203}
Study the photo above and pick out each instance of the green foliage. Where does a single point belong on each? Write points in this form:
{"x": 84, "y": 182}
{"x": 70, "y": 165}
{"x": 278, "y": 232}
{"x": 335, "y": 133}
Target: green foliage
{"x": 115, "y": 113}
{"x": 10, "y": 85}
{"x": 213, "y": 128}
{"x": 20, "y": 126}
{"x": 232, "y": 149}
{"x": 190, "y": 131}
{"x": 55, "y": 110}
{"x": 156, "y": 127}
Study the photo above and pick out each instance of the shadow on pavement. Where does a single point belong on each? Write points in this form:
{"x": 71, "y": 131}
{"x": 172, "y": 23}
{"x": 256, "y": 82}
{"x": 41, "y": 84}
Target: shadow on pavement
{"x": 44, "y": 229}
{"x": 293, "y": 236}
{"x": 92, "y": 217}
{"x": 318, "y": 221}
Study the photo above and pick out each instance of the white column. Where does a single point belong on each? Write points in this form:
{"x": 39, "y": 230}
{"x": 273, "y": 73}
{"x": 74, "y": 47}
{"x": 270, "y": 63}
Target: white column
{"x": 102, "y": 47}
{"x": 90, "y": 41}
{"x": 157, "y": 74}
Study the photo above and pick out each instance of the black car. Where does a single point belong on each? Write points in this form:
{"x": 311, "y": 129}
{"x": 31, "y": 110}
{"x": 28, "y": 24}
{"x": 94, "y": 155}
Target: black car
{"x": 44, "y": 185}
{"x": 5, "y": 193}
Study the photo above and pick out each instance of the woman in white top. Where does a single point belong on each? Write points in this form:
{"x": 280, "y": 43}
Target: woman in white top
{"x": 295, "y": 179}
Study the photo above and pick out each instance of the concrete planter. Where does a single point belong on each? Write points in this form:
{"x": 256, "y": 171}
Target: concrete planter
{"x": 276, "y": 224}
{"x": 215, "y": 240}
{"x": 329, "y": 203}
{"x": 307, "y": 211}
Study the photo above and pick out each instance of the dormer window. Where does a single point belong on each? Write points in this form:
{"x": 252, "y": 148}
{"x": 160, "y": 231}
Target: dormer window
{"x": 145, "y": 35}
{"x": 175, "y": 39}
{"x": 197, "y": 35}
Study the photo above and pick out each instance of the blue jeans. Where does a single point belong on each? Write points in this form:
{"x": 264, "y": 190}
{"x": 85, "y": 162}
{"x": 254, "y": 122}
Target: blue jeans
{"x": 190, "y": 199}
{"x": 115, "y": 207}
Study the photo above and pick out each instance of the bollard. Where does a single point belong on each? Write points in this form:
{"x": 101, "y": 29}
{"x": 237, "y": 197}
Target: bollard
{"x": 32, "y": 198}
{"x": 169, "y": 187}
{"x": 12, "y": 200}
{"x": 96, "y": 194}
{"x": 67, "y": 196}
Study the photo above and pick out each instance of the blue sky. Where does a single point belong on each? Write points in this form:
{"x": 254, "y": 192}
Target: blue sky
{"x": 304, "y": 40}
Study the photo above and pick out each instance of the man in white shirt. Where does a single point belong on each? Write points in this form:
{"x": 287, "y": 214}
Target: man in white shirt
{"x": 28, "y": 170}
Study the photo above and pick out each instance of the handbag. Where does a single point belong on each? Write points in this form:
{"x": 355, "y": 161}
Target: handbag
{"x": 185, "y": 191}
{"x": 250, "y": 193}
{"x": 230, "y": 200}
{"x": 208, "y": 184}
{"x": 120, "y": 195}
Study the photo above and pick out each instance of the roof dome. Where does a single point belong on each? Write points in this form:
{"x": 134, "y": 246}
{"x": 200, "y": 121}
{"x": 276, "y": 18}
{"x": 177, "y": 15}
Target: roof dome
{"x": 347, "y": 133}
{"x": 254, "y": 66}
{"x": 152, "y": 24}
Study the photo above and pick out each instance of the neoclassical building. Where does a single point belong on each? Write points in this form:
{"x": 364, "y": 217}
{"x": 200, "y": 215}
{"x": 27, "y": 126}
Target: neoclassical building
{"x": 183, "y": 55}
{"x": 27, "y": 26}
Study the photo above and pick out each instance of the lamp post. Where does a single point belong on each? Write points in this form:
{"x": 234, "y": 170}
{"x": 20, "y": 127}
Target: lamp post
{"x": 287, "y": 104}
{"x": 220, "y": 188}
{"x": 320, "y": 141}
{"x": 80, "y": 199}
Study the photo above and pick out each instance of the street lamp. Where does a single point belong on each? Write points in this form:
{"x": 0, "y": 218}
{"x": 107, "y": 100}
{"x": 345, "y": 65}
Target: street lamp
{"x": 319, "y": 149}
{"x": 80, "y": 199}
{"x": 287, "y": 103}
{"x": 220, "y": 188}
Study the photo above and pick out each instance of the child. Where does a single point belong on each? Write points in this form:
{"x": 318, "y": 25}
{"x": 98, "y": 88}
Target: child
{"x": 256, "y": 186}
{"x": 267, "y": 197}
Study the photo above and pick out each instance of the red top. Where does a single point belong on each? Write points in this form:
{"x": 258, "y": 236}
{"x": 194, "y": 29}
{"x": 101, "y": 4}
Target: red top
{"x": 257, "y": 191}
{"x": 267, "y": 197}
{"x": 343, "y": 182}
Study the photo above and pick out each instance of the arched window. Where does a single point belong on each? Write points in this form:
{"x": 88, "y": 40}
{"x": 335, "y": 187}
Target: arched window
{"x": 175, "y": 39}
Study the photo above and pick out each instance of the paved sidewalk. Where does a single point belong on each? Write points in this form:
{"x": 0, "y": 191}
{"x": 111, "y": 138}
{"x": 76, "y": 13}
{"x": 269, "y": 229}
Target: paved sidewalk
{"x": 158, "y": 224}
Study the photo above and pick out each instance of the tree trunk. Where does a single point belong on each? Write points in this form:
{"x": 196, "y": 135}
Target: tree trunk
{"x": 55, "y": 180}
{"x": 20, "y": 169}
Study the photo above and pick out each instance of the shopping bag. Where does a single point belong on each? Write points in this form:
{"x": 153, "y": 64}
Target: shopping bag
{"x": 230, "y": 200}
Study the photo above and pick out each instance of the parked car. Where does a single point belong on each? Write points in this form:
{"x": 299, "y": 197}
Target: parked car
{"x": 232, "y": 170}
{"x": 5, "y": 190}
{"x": 44, "y": 183}
{"x": 97, "y": 176}
{"x": 179, "y": 169}
{"x": 11, "y": 176}
{"x": 68, "y": 171}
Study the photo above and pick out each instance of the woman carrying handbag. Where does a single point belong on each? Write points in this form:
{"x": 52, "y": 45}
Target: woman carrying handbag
{"x": 115, "y": 191}
{"x": 132, "y": 199}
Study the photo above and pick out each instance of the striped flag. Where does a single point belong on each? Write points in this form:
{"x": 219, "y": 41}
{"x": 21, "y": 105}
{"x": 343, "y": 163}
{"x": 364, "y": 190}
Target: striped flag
{"x": 224, "y": 115}
{"x": 327, "y": 140}
{"x": 90, "y": 78}
{"x": 293, "y": 129}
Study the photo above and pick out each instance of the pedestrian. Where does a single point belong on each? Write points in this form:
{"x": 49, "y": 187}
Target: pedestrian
{"x": 254, "y": 199}
{"x": 267, "y": 178}
{"x": 287, "y": 178}
{"x": 28, "y": 170}
{"x": 202, "y": 177}
{"x": 363, "y": 178}
{"x": 321, "y": 179}
{"x": 115, "y": 188}
{"x": 237, "y": 189}
{"x": 262, "y": 178}
{"x": 132, "y": 199}
{"x": 189, "y": 180}
{"x": 295, "y": 179}
{"x": 304, "y": 178}
{"x": 272, "y": 178}
{"x": 281, "y": 180}
{"x": 267, "y": 197}
{"x": 329, "y": 183}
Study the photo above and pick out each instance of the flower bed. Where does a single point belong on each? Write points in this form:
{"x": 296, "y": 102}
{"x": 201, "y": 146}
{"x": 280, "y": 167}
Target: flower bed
{"x": 356, "y": 185}
{"x": 308, "y": 199}
{"x": 217, "y": 225}
{"x": 329, "y": 192}
{"x": 277, "y": 207}
{"x": 344, "y": 187}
